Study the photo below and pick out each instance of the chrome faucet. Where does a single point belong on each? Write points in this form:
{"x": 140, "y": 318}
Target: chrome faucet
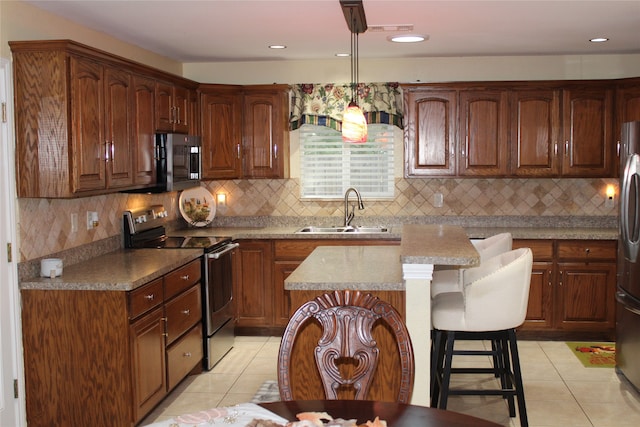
{"x": 348, "y": 216}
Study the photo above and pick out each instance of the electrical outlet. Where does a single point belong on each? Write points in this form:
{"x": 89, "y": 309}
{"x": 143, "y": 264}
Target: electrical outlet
{"x": 74, "y": 222}
{"x": 92, "y": 220}
{"x": 610, "y": 202}
{"x": 438, "y": 199}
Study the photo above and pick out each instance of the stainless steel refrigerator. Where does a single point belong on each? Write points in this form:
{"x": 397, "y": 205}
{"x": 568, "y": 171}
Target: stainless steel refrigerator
{"x": 628, "y": 290}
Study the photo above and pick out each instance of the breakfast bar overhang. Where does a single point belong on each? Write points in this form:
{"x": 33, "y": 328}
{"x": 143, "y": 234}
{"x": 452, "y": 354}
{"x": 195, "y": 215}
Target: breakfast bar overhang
{"x": 406, "y": 268}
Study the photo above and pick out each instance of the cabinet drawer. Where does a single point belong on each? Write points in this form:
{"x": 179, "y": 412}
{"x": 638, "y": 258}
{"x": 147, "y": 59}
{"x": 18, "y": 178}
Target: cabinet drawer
{"x": 182, "y": 278}
{"x": 184, "y": 355}
{"x": 145, "y": 298}
{"x": 542, "y": 249}
{"x": 587, "y": 250}
{"x": 298, "y": 250}
{"x": 183, "y": 312}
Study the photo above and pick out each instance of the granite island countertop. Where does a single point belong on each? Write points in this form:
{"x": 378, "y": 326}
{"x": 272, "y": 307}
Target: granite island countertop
{"x": 121, "y": 270}
{"x": 368, "y": 268}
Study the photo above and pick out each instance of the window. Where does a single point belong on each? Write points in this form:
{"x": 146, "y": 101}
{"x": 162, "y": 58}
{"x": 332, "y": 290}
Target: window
{"x": 329, "y": 166}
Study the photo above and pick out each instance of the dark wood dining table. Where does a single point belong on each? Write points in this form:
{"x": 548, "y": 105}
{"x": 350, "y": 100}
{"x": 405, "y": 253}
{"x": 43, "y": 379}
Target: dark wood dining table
{"x": 395, "y": 414}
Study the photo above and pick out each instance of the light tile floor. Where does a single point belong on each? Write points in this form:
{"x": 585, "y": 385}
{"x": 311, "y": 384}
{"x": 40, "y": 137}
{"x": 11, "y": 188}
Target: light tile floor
{"x": 559, "y": 390}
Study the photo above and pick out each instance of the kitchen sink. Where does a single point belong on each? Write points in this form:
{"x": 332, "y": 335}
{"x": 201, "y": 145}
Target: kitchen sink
{"x": 310, "y": 229}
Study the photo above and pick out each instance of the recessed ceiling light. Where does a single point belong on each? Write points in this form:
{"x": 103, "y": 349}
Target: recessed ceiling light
{"x": 407, "y": 38}
{"x": 599, "y": 40}
{"x": 277, "y": 46}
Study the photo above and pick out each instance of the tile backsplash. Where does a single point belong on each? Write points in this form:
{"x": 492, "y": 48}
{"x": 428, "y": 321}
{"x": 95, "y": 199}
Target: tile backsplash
{"x": 45, "y": 224}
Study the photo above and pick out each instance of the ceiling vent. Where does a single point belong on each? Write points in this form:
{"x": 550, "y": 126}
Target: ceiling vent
{"x": 390, "y": 28}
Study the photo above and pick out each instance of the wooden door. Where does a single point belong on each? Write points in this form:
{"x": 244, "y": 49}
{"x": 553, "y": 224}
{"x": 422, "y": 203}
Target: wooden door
{"x": 430, "y": 133}
{"x": 483, "y": 133}
{"x": 586, "y": 296}
{"x": 164, "y": 107}
{"x": 119, "y": 128}
{"x": 265, "y": 134}
{"x": 587, "y": 127}
{"x": 148, "y": 362}
{"x": 88, "y": 125}
{"x": 144, "y": 159}
{"x": 535, "y": 132}
{"x": 282, "y": 297}
{"x": 627, "y": 110}
{"x": 221, "y": 134}
{"x": 253, "y": 283}
{"x": 181, "y": 106}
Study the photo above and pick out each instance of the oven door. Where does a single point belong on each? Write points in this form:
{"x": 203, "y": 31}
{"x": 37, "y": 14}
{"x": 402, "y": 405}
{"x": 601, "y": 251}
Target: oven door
{"x": 218, "y": 288}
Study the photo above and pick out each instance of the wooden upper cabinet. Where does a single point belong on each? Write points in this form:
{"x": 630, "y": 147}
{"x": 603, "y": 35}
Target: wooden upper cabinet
{"x": 119, "y": 131}
{"x": 535, "y": 132}
{"x": 221, "y": 117}
{"x": 265, "y": 131}
{"x": 483, "y": 133}
{"x": 430, "y": 132}
{"x": 85, "y": 119}
{"x": 88, "y": 142}
{"x": 627, "y": 110}
{"x": 172, "y": 108}
{"x": 144, "y": 161}
{"x": 588, "y": 132}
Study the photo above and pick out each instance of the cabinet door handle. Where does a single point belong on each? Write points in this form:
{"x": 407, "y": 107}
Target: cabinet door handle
{"x": 150, "y": 297}
{"x": 275, "y": 151}
{"x": 106, "y": 151}
{"x": 178, "y": 115}
{"x": 550, "y": 284}
{"x": 187, "y": 354}
{"x": 555, "y": 149}
{"x": 186, "y": 312}
{"x": 238, "y": 150}
{"x": 185, "y": 277}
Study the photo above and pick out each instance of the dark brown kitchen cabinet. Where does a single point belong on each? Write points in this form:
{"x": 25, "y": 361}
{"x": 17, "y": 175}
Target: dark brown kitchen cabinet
{"x": 253, "y": 263}
{"x": 82, "y": 119}
{"x": 534, "y": 131}
{"x": 172, "y": 108}
{"x": 627, "y": 110}
{"x": 430, "y": 132}
{"x": 572, "y": 292}
{"x": 221, "y": 118}
{"x": 587, "y": 126}
{"x": 117, "y": 353}
{"x": 144, "y": 105}
{"x": 483, "y": 133}
{"x": 102, "y": 130}
{"x": 265, "y": 131}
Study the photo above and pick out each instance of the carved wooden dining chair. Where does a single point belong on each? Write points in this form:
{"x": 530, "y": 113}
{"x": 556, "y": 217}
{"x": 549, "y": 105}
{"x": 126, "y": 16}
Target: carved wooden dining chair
{"x": 346, "y": 345}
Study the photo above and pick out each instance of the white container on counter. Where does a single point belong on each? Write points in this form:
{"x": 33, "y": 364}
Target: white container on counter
{"x": 51, "y": 267}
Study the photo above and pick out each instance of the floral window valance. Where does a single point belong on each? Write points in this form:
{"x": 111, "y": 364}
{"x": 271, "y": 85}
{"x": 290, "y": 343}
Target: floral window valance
{"x": 324, "y": 104}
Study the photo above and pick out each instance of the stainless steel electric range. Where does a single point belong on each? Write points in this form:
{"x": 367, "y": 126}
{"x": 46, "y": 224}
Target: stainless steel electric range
{"x": 145, "y": 228}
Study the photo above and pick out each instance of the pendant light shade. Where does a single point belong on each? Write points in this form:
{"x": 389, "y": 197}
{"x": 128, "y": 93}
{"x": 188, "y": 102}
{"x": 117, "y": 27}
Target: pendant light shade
{"x": 354, "y": 124}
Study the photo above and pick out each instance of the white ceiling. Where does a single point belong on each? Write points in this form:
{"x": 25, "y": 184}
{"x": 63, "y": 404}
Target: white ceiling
{"x": 238, "y": 30}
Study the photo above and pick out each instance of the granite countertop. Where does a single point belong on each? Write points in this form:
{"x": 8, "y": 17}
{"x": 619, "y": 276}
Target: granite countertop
{"x": 121, "y": 270}
{"x": 395, "y": 233}
{"x": 349, "y": 267}
{"x": 369, "y": 268}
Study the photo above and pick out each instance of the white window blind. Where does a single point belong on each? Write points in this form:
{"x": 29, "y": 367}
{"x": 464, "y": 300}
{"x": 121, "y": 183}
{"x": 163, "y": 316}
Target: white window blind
{"x": 330, "y": 166}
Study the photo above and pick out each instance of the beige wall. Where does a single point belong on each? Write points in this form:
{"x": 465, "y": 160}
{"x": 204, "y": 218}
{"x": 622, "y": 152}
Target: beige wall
{"x": 425, "y": 70}
{"x": 21, "y": 21}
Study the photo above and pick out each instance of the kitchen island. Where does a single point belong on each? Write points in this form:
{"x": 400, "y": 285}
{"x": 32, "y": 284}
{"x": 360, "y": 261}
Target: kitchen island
{"x": 399, "y": 275}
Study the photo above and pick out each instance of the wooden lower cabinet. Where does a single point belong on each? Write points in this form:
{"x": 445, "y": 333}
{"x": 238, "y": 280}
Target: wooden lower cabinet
{"x": 263, "y": 306}
{"x": 107, "y": 358}
{"x": 572, "y": 294}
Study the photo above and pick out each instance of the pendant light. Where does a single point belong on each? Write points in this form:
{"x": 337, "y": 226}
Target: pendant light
{"x": 354, "y": 124}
